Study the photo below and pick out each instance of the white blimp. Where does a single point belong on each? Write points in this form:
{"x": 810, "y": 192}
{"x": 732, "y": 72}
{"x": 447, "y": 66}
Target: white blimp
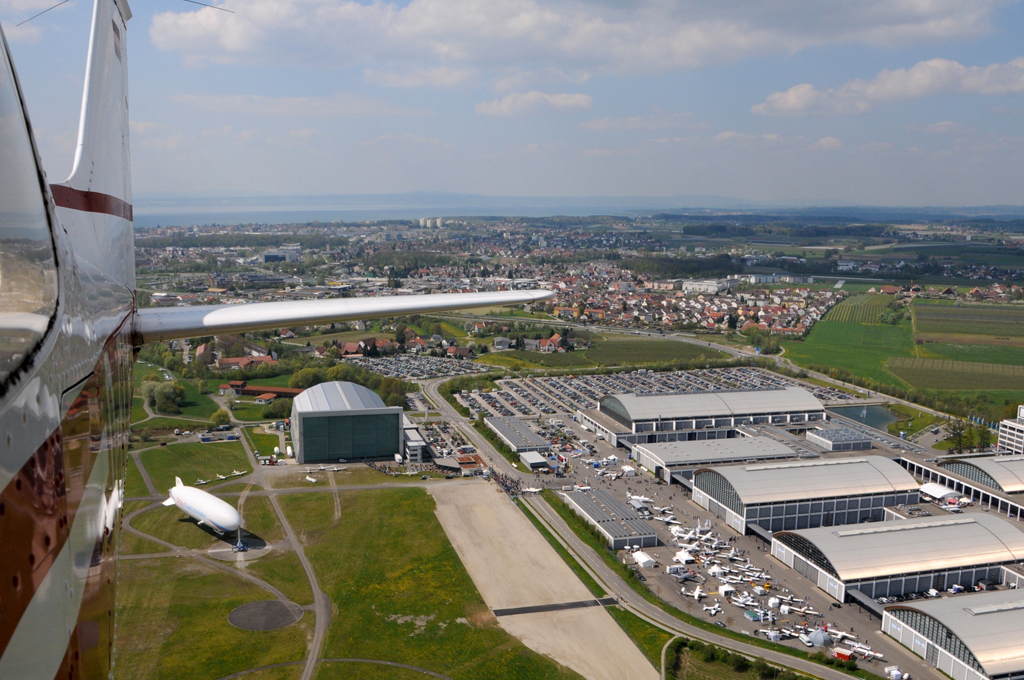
{"x": 206, "y": 509}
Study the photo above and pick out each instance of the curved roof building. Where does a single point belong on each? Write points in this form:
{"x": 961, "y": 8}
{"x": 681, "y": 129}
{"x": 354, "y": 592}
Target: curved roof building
{"x": 1002, "y": 473}
{"x": 978, "y": 632}
{"x": 909, "y": 546}
{"x": 632, "y": 408}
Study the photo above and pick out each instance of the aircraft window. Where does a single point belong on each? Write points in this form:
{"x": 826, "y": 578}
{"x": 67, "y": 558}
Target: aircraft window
{"x": 28, "y": 269}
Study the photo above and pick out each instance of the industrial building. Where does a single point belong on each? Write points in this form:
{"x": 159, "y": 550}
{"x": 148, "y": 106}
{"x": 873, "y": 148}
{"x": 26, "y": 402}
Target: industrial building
{"x": 415, "y": 444}
{"x": 517, "y": 435}
{"x": 803, "y": 494}
{"x": 1011, "y": 433}
{"x": 906, "y": 556}
{"x": 970, "y": 637}
{"x": 1002, "y": 473}
{"x": 626, "y": 419}
{"x": 839, "y": 439}
{"x": 676, "y": 461}
{"x": 343, "y": 421}
{"x": 617, "y": 522}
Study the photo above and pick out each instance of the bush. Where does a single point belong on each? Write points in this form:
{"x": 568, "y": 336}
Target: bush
{"x": 221, "y": 417}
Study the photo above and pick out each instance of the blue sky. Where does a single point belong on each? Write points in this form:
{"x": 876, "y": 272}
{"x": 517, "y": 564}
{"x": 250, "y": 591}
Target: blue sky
{"x": 875, "y": 102}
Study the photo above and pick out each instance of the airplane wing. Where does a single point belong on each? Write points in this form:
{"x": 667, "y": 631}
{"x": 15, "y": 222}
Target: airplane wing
{"x": 156, "y": 324}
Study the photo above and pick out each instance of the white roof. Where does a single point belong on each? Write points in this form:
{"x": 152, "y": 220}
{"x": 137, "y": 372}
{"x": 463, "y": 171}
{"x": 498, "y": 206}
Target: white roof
{"x": 804, "y": 480}
{"x": 915, "y": 545}
{"x": 936, "y": 490}
{"x": 716, "y": 404}
{"x": 990, "y": 624}
{"x": 712, "y": 451}
{"x": 336, "y": 397}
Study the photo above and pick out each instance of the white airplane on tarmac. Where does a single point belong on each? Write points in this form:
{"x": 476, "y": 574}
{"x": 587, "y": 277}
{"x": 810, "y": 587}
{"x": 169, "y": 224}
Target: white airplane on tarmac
{"x": 696, "y": 593}
{"x": 71, "y": 325}
{"x": 532, "y": 489}
{"x": 662, "y": 510}
{"x": 713, "y": 609}
{"x": 642, "y": 499}
{"x": 200, "y": 482}
{"x": 206, "y": 509}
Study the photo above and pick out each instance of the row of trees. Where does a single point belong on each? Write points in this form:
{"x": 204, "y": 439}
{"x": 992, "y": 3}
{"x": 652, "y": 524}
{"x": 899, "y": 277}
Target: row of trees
{"x": 391, "y": 390}
{"x": 963, "y": 434}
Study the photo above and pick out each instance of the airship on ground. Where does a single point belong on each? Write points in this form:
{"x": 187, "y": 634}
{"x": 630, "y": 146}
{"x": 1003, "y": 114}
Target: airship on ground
{"x": 205, "y": 508}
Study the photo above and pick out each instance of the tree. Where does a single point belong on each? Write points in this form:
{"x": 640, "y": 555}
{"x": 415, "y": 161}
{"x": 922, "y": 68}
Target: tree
{"x": 229, "y": 400}
{"x": 203, "y": 387}
{"x": 956, "y": 428}
{"x": 220, "y": 417}
{"x": 984, "y": 435}
{"x": 400, "y": 332}
{"x": 280, "y": 408}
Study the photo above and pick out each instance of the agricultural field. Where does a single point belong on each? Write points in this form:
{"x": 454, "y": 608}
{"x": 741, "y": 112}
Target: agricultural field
{"x": 172, "y": 619}
{"x": 189, "y": 461}
{"x": 403, "y": 590}
{"x": 619, "y": 352}
{"x": 956, "y": 375}
{"x": 985, "y": 354}
{"x": 936, "y": 321}
{"x": 861, "y": 348}
{"x": 861, "y": 309}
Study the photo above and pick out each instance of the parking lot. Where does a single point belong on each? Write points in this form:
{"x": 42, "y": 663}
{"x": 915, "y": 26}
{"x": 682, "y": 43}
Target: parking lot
{"x": 567, "y": 394}
{"x": 412, "y": 367}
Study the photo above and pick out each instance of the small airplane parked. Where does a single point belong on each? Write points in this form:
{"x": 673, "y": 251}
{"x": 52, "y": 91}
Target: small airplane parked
{"x": 200, "y": 482}
{"x": 311, "y": 480}
{"x": 220, "y": 476}
{"x": 662, "y": 510}
{"x": 713, "y": 609}
{"x": 237, "y": 473}
{"x": 696, "y": 593}
{"x": 642, "y": 499}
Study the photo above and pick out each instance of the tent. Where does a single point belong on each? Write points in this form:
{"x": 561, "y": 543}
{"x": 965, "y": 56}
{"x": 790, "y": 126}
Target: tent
{"x": 643, "y": 560}
{"x": 939, "y": 492}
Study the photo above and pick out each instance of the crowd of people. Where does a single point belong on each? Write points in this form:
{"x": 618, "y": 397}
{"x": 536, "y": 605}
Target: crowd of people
{"x": 513, "y": 486}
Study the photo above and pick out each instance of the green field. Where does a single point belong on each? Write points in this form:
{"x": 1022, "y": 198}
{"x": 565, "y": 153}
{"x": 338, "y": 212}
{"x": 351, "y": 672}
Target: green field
{"x": 259, "y": 518}
{"x": 138, "y": 410}
{"x": 172, "y": 620}
{"x": 130, "y": 544}
{"x": 196, "y": 405}
{"x": 973, "y": 319}
{"x": 861, "y": 309}
{"x": 262, "y": 442}
{"x": 861, "y": 348}
{"x": 284, "y": 572}
{"x": 190, "y": 461}
{"x": 911, "y": 420}
{"x": 985, "y": 354}
{"x": 276, "y": 381}
{"x": 957, "y": 375}
{"x": 134, "y": 487}
{"x": 619, "y": 352}
{"x": 247, "y": 411}
{"x": 167, "y": 423}
{"x": 402, "y": 591}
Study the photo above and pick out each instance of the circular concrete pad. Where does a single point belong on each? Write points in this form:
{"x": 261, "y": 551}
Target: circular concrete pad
{"x": 265, "y": 615}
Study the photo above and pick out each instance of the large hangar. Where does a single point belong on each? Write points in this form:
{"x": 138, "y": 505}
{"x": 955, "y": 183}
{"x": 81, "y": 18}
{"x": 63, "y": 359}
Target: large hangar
{"x": 904, "y": 556}
{"x": 683, "y": 457}
{"x": 971, "y": 637}
{"x": 649, "y": 418}
{"x": 1002, "y": 473}
{"x": 343, "y": 421}
{"x": 785, "y": 496}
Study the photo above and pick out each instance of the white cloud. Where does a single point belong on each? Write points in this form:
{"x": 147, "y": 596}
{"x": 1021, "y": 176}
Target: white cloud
{"x": 439, "y": 76}
{"x": 942, "y": 127}
{"x": 408, "y": 139}
{"x": 923, "y": 79}
{"x": 733, "y": 136}
{"x": 141, "y": 127}
{"x": 828, "y": 144}
{"x": 340, "y": 104}
{"x": 516, "y": 103}
{"x": 570, "y": 35}
{"x": 654, "y": 121}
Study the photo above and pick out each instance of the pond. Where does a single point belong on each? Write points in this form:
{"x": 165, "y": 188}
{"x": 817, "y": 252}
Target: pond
{"x": 874, "y": 416}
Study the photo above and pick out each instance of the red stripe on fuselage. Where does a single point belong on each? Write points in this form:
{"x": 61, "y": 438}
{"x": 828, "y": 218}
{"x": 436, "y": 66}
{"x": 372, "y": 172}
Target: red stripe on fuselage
{"x": 90, "y": 201}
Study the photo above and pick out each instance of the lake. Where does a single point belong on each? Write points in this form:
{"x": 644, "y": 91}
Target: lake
{"x": 877, "y": 417}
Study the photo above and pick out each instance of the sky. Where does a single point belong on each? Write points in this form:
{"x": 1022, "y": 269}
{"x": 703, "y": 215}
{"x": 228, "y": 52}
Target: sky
{"x": 845, "y": 102}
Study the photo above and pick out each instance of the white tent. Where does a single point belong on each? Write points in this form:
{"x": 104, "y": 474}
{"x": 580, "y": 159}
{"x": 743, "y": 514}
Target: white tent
{"x": 939, "y": 492}
{"x": 643, "y": 560}
{"x": 725, "y": 590}
{"x": 683, "y": 557}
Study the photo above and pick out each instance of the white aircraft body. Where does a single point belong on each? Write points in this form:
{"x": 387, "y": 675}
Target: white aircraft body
{"x": 311, "y": 480}
{"x": 713, "y": 609}
{"x": 238, "y": 473}
{"x": 532, "y": 489}
{"x": 200, "y": 482}
{"x": 642, "y": 499}
{"x": 220, "y": 476}
{"x": 203, "y": 507}
{"x": 663, "y": 509}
